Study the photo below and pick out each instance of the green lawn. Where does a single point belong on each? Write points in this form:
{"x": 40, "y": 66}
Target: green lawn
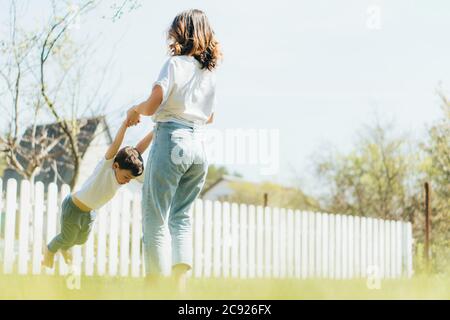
{"x": 54, "y": 287}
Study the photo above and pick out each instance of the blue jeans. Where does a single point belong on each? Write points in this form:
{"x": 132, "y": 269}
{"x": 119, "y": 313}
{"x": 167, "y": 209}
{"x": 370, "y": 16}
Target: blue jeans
{"x": 174, "y": 176}
{"x": 76, "y": 226}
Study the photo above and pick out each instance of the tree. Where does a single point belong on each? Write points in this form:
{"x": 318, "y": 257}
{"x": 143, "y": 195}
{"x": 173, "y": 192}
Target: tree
{"x": 43, "y": 73}
{"x": 373, "y": 179}
{"x": 436, "y": 166}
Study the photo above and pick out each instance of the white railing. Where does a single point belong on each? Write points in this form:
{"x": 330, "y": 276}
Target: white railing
{"x": 229, "y": 240}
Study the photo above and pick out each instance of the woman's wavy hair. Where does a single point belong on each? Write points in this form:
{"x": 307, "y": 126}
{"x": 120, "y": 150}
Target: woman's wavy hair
{"x": 191, "y": 34}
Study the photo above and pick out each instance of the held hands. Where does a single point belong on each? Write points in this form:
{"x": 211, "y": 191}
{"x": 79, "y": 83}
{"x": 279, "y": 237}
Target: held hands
{"x": 133, "y": 117}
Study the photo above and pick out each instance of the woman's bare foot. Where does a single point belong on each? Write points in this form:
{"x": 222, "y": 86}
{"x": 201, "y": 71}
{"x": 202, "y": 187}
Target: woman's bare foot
{"x": 49, "y": 258}
{"x": 67, "y": 255}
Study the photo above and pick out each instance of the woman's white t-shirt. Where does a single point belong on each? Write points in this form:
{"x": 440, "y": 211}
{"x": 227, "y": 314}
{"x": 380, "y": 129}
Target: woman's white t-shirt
{"x": 189, "y": 92}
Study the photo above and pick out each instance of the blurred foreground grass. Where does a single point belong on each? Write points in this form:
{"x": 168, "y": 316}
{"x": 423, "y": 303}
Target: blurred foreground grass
{"x": 55, "y": 287}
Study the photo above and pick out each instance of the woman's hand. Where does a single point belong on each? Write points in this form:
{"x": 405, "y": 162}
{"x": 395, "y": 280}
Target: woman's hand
{"x": 133, "y": 117}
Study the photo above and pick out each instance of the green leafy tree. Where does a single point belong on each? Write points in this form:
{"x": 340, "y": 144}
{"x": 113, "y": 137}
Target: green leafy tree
{"x": 436, "y": 166}
{"x": 371, "y": 180}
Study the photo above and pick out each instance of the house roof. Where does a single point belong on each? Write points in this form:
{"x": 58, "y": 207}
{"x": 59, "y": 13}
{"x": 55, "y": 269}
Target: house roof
{"x": 226, "y": 178}
{"x": 46, "y": 133}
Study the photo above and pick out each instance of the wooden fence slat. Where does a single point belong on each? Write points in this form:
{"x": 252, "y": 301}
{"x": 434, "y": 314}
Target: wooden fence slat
{"x": 88, "y": 257}
{"x": 376, "y": 246}
{"x": 387, "y": 248}
{"x": 381, "y": 248}
{"x": 318, "y": 245}
{"x": 311, "y": 244}
{"x": 357, "y": 246}
{"x": 234, "y": 240}
{"x": 409, "y": 252}
{"x": 102, "y": 219}
{"x": 226, "y": 239}
{"x": 290, "y": 266}
{"x": 325, "y": 245}
{"x": 369, "y": 247}
{"x": 339, "y": 246}
{"x": 398, "y": 249}
{"x": 10, "y": 226}
{"x": 113, "y": 244}
{"x": 351, "y": 244}
{"x": 260, "y": 242}
{"x": 136, "y": 236}
{"x": 24, "y": 225}
{"x": 363, "y": 255}
{"x": 267, "y": 242}
{"x": 207, "y": 238}
{"x": 243, "y": 241}
{"x": 276, "y": 242}
{"x": 297, "y": 244}
{"x": 198, "y": 238}
{"x": 124, "y": 249}
{"x": 252, "y": 241}
{"x": 217, "y": 239}
{"x": 393, "y": 252}
{"x": 332, "y": 246}
{"x": 304, "y": 243}
{"x": 37, "y": 227}
{"x": 282, "y": 242}
{"x": 52, "y": 212}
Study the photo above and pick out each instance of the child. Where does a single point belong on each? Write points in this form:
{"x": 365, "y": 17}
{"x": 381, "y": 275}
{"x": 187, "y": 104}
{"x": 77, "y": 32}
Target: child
{"x": 117, "y": 168}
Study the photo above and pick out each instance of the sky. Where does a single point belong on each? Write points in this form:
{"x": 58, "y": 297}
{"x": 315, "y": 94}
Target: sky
{"x": 316, "y": 71}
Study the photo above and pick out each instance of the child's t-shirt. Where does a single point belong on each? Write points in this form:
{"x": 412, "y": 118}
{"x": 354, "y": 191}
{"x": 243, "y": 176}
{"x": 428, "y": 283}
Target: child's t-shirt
{"x": 100, "y": 187}
{"x": 189, "y": 92}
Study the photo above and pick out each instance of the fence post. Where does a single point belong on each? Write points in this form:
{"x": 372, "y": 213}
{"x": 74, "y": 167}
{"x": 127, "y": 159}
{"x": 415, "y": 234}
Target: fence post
{"x": 427, "y": 224}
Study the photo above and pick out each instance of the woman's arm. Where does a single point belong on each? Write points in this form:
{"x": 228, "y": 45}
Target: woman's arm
{"x": 146, "y": 108}
{"x": 144, "y": 143}
{"x": 114, "y": 147}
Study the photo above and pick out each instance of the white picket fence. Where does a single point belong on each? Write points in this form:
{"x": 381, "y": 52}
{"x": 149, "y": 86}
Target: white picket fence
{"x": 229, "y": 240}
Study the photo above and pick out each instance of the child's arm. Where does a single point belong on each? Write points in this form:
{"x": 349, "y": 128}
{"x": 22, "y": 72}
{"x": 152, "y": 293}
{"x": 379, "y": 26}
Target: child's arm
{"x": 144, "y": 143}
{"x": 114, "y": 147}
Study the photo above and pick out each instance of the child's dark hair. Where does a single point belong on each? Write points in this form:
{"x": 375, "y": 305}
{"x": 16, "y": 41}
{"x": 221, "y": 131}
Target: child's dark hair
{"x": 130, "y": 158}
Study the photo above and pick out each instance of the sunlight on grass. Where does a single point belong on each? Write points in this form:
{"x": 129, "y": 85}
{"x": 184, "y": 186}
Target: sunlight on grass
{"x": 55, "y": 287}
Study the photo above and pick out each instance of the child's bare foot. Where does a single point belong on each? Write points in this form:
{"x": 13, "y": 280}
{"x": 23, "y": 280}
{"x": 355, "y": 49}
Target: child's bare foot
{"x": 67, "y": 255}
{"x": 49, "y": 258}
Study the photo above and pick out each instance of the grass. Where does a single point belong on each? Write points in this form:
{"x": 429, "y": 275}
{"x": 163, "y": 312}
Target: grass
{"x": 104, "y": 288}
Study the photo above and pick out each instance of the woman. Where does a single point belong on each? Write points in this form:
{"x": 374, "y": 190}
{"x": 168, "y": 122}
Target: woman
{"x": 181, "y": 103}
